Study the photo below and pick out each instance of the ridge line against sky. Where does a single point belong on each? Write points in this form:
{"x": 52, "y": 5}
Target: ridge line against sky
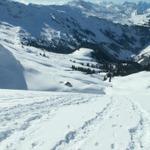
{"x": 65, "y": 1}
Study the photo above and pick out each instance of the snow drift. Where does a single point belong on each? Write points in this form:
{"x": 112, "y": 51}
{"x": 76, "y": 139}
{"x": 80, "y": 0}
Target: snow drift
{"x": 11, "y": 71}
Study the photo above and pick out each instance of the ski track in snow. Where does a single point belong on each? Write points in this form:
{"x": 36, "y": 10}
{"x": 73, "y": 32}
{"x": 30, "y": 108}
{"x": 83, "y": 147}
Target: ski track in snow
{"x": 113, "y": 121}
{"x": 85, "y": 129}
{"x": 140, "y": 133}
{"x": 20, "y": 117}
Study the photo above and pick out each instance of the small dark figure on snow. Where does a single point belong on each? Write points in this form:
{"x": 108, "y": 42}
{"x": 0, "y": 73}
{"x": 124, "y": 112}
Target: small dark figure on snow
{"x": 109, "y": 75}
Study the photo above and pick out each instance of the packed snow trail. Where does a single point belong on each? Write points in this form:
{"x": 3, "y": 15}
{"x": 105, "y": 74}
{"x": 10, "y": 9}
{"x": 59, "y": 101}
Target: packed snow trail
{"x": 21, "y": 112}
{"x": 117, "y": 120}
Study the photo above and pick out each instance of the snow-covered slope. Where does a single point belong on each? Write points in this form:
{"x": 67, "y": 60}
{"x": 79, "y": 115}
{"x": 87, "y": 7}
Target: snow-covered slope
{"x": 120, "y": 119}
{"x": 144, "y": 56}
{"x": 11, "y": 72}
{"x": 26, "y": 67}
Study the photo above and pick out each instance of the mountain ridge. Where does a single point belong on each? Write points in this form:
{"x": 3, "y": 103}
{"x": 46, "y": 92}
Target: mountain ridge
{"x": 66, "y": 28}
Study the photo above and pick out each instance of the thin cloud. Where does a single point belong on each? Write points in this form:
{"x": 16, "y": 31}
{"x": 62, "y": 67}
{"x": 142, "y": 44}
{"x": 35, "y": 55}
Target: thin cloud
{"x": 65, "y": 1}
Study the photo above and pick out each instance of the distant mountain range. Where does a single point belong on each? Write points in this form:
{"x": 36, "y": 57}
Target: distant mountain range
{"x": 115, "y": 32}
{"x": 127, "y": 13}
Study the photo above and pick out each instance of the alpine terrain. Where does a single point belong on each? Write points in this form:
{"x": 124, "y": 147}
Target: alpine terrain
{"x": 75, "y": 76}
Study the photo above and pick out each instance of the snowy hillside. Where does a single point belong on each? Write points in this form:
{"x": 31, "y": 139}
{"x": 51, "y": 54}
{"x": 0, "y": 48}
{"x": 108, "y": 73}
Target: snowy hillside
{"x": 116, "y": 120}
{"x": 26, "y": 67}
{"x": 11, "y": 72}
{"x": 144, "y": 56}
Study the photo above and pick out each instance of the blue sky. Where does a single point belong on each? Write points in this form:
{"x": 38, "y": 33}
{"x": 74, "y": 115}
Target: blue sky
{"x": 64, "y": 1}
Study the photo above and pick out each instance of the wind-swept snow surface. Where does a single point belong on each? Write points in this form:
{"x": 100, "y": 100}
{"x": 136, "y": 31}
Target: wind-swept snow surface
{"x": 11, "y": 71}
{"x": 116, "y": 120}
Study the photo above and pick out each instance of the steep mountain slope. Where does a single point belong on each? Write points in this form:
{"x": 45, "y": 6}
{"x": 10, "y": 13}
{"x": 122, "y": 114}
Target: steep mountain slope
{"x": 66, "y": 28}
